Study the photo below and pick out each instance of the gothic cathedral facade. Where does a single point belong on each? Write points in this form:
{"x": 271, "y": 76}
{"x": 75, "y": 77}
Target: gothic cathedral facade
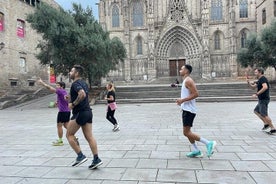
{"x": 162, "y": 35}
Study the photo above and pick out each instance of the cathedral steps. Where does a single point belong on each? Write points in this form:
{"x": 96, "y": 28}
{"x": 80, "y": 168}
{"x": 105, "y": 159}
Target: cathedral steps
{"x": 208, "y": 92}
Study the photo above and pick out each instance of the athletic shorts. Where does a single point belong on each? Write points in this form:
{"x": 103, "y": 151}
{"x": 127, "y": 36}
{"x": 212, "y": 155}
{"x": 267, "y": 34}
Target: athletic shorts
{"x": 188, "y": 118}
{"x": 63, "y": 117}
{"x": 262, "y": 107}
{"x": 83, "y": 117}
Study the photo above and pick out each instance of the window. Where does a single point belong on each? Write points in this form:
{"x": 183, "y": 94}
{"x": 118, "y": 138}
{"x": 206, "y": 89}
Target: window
{"x": 216, "y": 10}
{"x": 243, "y": 9}
{"x": 217, "y": 41}
{"x": 31, "y": 2}
{"x": 263, "y": 16}
{"x": 139, "y": 46}
{"x": 137, "y": 13}
{"x": 20, "y": 28}
{"x": 274, "y": 8}
{"x": 1, "y": 21}
{"x": 115, "y": 16}
{"x": 22, "y": 65}
{"x": 243, "y": 39}
{"x": 177, "y": 9}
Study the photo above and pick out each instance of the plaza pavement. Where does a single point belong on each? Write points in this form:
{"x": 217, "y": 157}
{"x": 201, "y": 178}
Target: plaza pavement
{"x": 149, "y": 149}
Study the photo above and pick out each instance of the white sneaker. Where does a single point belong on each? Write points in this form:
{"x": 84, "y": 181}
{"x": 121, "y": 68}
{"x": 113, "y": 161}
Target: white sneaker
{"x": 116, "y": 128}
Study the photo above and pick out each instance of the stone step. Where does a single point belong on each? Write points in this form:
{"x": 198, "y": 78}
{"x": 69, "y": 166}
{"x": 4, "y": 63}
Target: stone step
{"x": 209, "y": 92}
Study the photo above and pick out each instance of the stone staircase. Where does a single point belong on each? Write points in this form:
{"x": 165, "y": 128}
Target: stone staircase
{"x": 208, "y": 92}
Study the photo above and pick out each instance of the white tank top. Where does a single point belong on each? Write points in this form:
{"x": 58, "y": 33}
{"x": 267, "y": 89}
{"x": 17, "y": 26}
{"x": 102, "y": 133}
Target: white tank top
{"x": 188, "y": 105}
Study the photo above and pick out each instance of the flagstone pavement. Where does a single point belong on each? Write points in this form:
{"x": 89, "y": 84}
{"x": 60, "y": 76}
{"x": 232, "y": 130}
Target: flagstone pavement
{"x": 149, "y": 149}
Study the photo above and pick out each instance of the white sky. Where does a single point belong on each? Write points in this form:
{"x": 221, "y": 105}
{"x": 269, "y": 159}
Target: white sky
{"x": 67, "y": 4}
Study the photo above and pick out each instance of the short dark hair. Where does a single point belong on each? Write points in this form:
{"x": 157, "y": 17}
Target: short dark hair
{"x": 260, "y": 70}
{"x": 62, "y": 84}
{"x": 189, "y": 67}
{"x": 79, "y": 69}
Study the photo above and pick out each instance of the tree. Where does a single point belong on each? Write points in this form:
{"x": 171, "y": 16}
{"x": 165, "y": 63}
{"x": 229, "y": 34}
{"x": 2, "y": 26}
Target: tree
{"x": 75, "y": 37}
{"x": 260, "y": 51}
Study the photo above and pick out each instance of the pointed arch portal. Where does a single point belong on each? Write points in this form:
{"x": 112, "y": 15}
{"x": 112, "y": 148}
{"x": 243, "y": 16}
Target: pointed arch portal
{"x": 175, "y": 48}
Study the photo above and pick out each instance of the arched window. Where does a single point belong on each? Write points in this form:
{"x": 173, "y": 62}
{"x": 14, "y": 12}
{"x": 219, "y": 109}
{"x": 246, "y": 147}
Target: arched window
{"x": 137, "y": 13}
{"x": 243, "y": 39}
{"x": 263, "y": 16}
{"x": 115, "y": 16}
{"x": 139, "y": 45}
{"x": 20, "y": 28}
{"x": 216, "y": 10}
{"x": 243, "y": 8}
{"x": 217, "y": 41}
{"x": 1, "y": 21}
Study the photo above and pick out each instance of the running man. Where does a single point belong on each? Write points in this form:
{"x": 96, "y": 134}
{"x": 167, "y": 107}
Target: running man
{"x": 81, "y": 118}
{"x": 187, "y": 102}
{"x": 63, "y": 116}
{"x": 261, "y": 109}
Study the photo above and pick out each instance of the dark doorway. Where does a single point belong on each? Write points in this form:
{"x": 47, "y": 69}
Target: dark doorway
{"x": 175, "y": 66}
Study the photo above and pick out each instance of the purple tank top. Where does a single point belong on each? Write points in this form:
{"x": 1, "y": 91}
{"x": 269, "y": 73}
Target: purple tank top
{"x": 61, "y": 101}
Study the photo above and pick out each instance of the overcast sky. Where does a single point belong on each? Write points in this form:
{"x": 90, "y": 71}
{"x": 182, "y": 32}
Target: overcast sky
{"x": 67, "y": 4}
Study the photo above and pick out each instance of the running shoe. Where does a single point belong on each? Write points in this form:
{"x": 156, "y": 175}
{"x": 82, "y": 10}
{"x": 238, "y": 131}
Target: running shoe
{"x": 116, "y": 128}
{"x": 95, "y": 163}
{"x": 272, "y": 132}
{"x": 57, "y": 143}
{"x": 80, "y": 160}
{"x": 193, "y": 154}
{"x": 265, "y": 127}
{"x": 210, "y": 148}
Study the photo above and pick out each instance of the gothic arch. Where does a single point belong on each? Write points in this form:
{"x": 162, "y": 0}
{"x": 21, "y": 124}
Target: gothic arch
{"x": 191, "y": 50}
{"x": 181, "y": 35}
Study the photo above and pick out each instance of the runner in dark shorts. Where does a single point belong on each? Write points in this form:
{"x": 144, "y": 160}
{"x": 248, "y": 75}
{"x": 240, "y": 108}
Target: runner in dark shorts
{"x": 261, "y": 109}
{"x": 63, "y": 115}
{"x": 82, "y": 118}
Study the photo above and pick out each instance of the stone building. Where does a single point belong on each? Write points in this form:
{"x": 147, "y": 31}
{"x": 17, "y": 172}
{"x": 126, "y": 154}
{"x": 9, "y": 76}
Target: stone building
{"x": 18, "y": 42}
{"x": 161, "y": 35}
{"x": 265, "y": 13}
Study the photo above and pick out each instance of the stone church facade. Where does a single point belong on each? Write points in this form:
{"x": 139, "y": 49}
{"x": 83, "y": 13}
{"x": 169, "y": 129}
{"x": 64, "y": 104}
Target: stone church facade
{"x": 162, "y": 35}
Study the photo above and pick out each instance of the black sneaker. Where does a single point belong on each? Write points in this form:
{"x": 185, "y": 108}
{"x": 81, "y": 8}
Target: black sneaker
{"x": 95, "y": 163}
{"x": 265, "y": 127}
{"x": 272, "y": 132}
{"x": 80, "y": 160}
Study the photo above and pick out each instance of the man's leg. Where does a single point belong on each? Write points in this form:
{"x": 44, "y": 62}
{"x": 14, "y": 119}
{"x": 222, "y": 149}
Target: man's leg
{"x": 87, "y": 131}
{"x": 72, "y": 128}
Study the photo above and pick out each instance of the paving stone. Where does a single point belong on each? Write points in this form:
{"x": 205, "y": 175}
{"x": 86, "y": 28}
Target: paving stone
{"x": 174, "y": 175}
{"x": 263, "y": 177}
{"x": 140, "y": 174}
{"x": 250, "y": 166}
{"x": 205, "y": 176}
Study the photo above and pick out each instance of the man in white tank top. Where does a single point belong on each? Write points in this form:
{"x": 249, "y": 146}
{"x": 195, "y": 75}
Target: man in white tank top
{"x": 187, "y": 102}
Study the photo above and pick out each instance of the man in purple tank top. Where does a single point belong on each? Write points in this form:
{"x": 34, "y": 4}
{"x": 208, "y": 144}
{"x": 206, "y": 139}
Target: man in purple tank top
{"x": 63, "y": 115}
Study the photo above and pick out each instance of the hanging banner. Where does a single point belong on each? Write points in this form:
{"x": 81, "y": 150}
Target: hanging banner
{"x": 52, "y": 75}
{"x": 1, "y": 22}
{"x": 20, "y": 28}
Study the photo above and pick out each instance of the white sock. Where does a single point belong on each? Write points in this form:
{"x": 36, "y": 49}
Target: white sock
{"x": 203, "y": 140}
{"x": 195, "y": 148}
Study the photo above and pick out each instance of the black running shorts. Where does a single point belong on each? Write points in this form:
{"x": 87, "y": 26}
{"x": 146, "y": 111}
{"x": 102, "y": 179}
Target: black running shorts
{"x": 63, "y": 117}
{"x": 188, "y": 118}
{"x": 83, "y": 117}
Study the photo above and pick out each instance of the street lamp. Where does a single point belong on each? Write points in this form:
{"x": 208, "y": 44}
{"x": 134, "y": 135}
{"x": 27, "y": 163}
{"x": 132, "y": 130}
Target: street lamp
{"x": 2, "y": 45}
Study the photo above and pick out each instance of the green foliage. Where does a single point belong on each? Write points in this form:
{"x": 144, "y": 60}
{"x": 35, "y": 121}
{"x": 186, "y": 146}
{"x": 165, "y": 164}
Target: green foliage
{"x": 75, "y": 37}
{"x": 261, "y": 51}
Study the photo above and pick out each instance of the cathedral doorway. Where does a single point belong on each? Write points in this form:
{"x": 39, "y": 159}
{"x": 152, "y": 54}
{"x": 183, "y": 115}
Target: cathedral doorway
{"x": 175, "y": 65}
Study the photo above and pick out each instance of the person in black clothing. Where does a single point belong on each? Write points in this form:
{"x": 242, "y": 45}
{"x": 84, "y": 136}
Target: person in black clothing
{"x": 81, "y": 118}
{"x": 261, "y": 109}
{"x": 111, "y": 106}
